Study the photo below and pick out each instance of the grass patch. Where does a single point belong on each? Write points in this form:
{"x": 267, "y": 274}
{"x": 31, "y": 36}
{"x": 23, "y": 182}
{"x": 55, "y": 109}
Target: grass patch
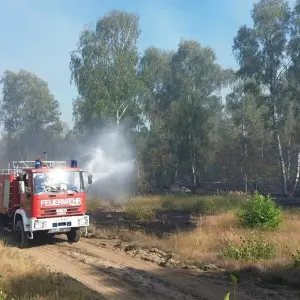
{"x": 92, "y": 204}
{"x": 144, "y": 208}
{"x": 136, "y": 211}
{"x": 206, "y": 205}
{"x": 251, "y": 249}
{"x": 23, "y": 279}
{"x": 295, "y": 255}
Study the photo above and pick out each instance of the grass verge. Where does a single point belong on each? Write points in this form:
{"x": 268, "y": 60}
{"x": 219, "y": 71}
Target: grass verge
{"x": 139, "y": 206}
{"x": 203, "y": 205}
{"x": 22, "y": 279}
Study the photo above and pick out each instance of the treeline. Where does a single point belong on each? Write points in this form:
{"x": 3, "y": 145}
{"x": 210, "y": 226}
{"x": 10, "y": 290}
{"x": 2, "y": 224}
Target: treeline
{"x": 168, "y": 104}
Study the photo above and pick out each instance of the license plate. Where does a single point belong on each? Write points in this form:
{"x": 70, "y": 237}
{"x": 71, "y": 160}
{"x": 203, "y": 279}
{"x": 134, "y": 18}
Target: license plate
{"x": 61, "y": 220}
{"x": 56, "y": 230}
{"x": 61, "y": 211}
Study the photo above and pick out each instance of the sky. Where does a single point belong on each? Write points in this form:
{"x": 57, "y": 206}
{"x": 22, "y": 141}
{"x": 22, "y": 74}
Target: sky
{"x": 38, "y": 35}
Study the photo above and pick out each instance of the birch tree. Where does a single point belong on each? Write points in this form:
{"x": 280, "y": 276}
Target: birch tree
{"x": 263, "y": 53}
{"x": 104, "y": 68}
{"x": 196, "y": 77}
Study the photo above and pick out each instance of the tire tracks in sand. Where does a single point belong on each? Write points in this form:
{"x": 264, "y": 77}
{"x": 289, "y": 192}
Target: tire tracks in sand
{"x": 116, "y": 275}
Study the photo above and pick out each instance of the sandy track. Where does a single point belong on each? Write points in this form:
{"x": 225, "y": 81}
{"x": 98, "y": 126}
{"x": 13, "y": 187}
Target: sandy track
{"x": 115, "y": 275}
{"x": 51, "y": 255}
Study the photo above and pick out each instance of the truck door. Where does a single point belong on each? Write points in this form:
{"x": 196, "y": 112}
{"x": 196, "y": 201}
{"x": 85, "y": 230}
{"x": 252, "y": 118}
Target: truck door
{"x": 28, "y": 192}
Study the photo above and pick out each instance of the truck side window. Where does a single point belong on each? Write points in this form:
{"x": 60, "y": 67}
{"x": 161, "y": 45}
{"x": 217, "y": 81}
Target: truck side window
{"x": 25, "y": 180}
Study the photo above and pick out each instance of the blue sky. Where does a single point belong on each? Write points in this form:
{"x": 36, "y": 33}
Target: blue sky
{"x": 38, "y": 35}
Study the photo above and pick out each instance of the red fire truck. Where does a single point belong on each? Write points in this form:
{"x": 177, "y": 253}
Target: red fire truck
{"x": 38, "y": 198}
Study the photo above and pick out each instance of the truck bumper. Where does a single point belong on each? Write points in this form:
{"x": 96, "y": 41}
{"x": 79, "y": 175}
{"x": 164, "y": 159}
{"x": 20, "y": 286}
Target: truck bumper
{"x": 59, "y": 224}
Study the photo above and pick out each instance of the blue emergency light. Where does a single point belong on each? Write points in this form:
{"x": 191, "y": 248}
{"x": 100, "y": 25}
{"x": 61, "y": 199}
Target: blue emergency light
{"x": 38, "y": 164}
{"x": 73, "y": 163}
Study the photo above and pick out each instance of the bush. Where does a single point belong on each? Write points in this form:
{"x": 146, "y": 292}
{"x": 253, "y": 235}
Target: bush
{"x": 261, "y": 212}
{"x": 2, "y": 295}
{"x": 295, "y": 258}
{"x": 250, "y": 250}
{"x": 136, "y": 211}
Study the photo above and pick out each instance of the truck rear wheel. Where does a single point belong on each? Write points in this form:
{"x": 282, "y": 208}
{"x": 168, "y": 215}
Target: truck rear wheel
{"x": 23, "y": 240}
{"x": 74, "y": 235}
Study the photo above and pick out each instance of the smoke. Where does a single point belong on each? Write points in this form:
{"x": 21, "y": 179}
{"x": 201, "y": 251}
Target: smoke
{"x": 107, "y": 155}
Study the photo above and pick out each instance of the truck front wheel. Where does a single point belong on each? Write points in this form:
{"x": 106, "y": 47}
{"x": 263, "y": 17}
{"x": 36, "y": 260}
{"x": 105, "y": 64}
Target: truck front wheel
{"x": 23, "y": 240}
{"x": 74, "y": 235}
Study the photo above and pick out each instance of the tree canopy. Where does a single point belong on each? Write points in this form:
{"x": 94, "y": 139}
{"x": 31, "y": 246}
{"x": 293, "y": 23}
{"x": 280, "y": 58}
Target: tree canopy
{"x": 168, "y": 104}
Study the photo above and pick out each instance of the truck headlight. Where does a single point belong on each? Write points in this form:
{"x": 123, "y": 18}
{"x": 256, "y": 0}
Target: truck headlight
{"x": 83, "y": 222}
{"x": 39, "y": 225}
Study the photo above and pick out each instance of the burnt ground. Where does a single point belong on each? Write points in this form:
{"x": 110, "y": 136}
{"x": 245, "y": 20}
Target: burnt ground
{"x": 165, "y": 223}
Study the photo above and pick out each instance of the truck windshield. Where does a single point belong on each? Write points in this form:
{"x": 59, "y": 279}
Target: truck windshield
{"x": 57, "y": 181}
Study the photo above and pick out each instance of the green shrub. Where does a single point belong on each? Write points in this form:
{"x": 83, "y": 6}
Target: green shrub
{"x": 261, "y": 212}
{"x": 250, "y": 250}
{"x": 2, "y": 293}
{"x": 295, "y": 258}
{"x": 136, "y": 211}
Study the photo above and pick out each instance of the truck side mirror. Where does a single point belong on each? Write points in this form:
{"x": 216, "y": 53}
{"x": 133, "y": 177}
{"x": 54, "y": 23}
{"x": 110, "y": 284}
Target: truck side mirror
{"x": 90, "y": 179}
{"x": 21, "y": 187}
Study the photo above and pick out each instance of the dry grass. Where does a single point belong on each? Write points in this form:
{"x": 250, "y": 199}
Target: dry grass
{"x": 195, "y": 204}
{"x": 23, "y": 279}
{"x": 204, "y": 244}
{"x": 218, "y": 226}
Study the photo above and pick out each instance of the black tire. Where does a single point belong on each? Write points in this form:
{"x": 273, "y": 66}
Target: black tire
{"x": 23, "y": 240}
{"x": 74, "y": 235}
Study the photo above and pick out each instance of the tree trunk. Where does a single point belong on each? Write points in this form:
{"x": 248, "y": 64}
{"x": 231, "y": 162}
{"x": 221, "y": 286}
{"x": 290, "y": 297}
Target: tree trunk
{"x": 194, "y": 171}
{"x": 289, "y": 160}
{"x": 245, "y": 146}
{"x": 297, "y": 174}
{"x": 193, "y": 164}
{"x": 138, "y": 169}
{"x": 163, "y": 159}
{"x": 118, "y": 119}
{"x": 282, "y": 164}
{"x": 246, "y": 182}
{"x": 262, "y": 147}
{"x": 279, "y": 149}
{"x": 176, "y": 164}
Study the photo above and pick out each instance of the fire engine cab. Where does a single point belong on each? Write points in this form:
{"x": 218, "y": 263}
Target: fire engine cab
{"x": 38, "y": 198}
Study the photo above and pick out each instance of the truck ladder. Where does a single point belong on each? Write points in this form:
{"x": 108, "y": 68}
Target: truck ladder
{"x": 16, "y": 167}
{"x": 10, "y": 171}
{"x": 25, "y": 164}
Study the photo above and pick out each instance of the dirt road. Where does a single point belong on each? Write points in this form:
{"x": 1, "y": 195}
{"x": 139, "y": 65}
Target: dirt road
{"x": 115, "y": 275}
